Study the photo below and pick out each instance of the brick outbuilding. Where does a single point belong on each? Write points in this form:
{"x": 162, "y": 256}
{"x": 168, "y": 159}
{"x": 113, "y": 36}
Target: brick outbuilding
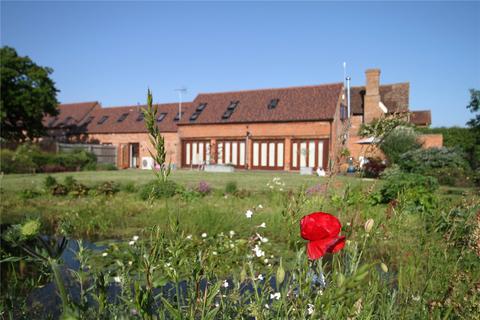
{"x": 269, "y": 129}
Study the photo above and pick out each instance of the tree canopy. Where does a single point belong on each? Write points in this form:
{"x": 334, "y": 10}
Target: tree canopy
{"x": 27, "y": 95}
{"x": 474, "y": 106}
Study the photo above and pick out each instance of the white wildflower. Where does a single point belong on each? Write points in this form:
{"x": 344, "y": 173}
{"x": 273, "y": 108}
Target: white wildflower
{"x": 131, "y": 243}
{"x": 232, "y": 245}
{"x": 117, "y": 279}
{"x": 204, "y": 235}
{"x": 265, "y": 261}
{"x": 260, "y": 277}
{"x": 104, "y": 254}
{"x": 310, "y": 309}
{"x": 267, "y": 306}
{"x": 276, "y": 296}
{"x": 189, "y": 237}
{"x": 217, "y": 305}
{"x": 225, "y": 284}
{"x": 263, "y": 225}
{"x": 258, "y": 252}
{"x": 135, "y": 238}
{"x": 260, "y": 206}
{"x": 130, "y": 263}
{"x": 214, "y": 253}
{"x": 249, "y": 214}
{"x": 232, "y": 233}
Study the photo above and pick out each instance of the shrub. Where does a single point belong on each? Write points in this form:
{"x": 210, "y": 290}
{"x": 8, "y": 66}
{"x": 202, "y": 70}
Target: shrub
{"x": 231, "y": 187}
{"x": 203, "y": 188}
{"x": 69, "y": 182}
{"x": 75, "y": 160}
{"x": 373, "y": 168}
{"x": 445, "y": 164}
{"x": 107, "y": 188}
{"x": 398, "y": 182}
{"x": 158, "y": 189}
{"x": 400, "y": 140}
{"x": 7, "y": 162}
{"x": 49, "y": 182}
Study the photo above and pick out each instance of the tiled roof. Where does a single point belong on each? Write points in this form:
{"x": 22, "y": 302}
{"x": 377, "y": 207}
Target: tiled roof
{"x": 423, "y": 117}
{"x": 394, "y": 96}
{"x": 294, "y": 104}
{"x": 129, "y": 124}
{"x": 70, "y": 114}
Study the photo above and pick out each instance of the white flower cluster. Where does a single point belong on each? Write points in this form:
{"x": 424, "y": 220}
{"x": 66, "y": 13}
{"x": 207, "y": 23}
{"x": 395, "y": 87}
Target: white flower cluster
{"x": 133, "y": 241}
{"x": 276, "y": 183}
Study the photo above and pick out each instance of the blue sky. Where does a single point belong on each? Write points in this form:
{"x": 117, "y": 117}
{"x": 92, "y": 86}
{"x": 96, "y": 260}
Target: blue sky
{"x": 113, "y": 51}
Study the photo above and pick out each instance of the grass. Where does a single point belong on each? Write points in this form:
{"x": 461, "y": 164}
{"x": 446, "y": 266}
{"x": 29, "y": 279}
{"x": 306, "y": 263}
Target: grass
{"x": 251, "y": 180}
{"x": 428, "y": 251}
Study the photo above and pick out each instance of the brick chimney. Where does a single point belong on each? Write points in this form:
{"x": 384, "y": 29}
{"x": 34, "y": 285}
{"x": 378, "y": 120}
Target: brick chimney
{"x": 372, "y": 108}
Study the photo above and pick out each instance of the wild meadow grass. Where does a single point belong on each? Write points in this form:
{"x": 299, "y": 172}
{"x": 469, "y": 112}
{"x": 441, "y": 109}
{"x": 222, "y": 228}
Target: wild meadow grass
{"x": 236, "y": 252}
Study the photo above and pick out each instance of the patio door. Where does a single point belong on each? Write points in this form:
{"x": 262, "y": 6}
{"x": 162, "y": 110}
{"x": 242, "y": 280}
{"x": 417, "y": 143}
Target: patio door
{"x": 312, "y": 153}
{"x": 195, "y": 153}
{"x": 268, "y": 154}
{"x": 232, "y": 152}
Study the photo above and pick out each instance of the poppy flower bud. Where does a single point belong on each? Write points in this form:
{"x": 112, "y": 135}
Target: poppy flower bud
{"x": 384, "y": 267}
{"x": 368, "y": 225}
{"x": 280, "y": 273}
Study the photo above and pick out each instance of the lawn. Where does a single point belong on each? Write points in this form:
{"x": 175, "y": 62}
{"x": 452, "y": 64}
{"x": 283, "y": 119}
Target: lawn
{"x": 417, "y": 261}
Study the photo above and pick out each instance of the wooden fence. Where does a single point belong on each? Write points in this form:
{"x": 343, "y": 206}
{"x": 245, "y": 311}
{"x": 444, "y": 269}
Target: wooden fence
{"x": 104, "y": 153}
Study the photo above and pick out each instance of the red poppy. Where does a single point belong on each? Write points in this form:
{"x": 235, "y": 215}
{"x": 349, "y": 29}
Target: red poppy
{"x": 322, "y": 230}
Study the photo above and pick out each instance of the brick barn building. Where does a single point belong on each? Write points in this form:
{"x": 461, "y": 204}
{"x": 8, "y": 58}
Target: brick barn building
{"x": 269, "y": 129}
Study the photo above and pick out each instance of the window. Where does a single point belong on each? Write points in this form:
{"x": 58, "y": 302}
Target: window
{"x": 161, "y": 116}
{"x": 194, "y": 116}
{"x": 232, "y": 105}
{"x": 273, "y": 103}
{"x": 122, "y": 117}
{"x": 102, "y": 120}
{"x": 178, "y": 116}
{"x": 227, "y": 114}
{"x": 140, "y": 116}
{"x": 200, "y": 107}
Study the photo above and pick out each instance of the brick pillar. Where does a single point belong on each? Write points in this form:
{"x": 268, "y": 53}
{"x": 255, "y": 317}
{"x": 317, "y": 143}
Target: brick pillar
{"x": 372, "y": 96}
{"x": 213, "y": 151}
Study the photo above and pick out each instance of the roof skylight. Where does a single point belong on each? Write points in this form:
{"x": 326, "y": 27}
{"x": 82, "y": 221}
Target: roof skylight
{"x": 102, "y": 120}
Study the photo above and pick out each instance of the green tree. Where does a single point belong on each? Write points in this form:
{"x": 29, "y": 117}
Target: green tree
{"x": 27, "y": 95}
{"x": 474, "y": 106}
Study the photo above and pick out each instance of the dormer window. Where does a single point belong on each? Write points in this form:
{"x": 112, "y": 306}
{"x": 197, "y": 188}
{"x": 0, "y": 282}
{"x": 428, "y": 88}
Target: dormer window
{"x": 273, "y": 103}
{"x": 198, "y": 111}
{"x": 161, "y": 116}
{"x": 201, "y": 107}
{"x": 177, "y": 117}
{"x": 194, "y": 116}
{"x": 230, "y": 109}
{"x": 122, "y": 117}
{"x": 232, "y": 105}
{"x": 102, "y": 120}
